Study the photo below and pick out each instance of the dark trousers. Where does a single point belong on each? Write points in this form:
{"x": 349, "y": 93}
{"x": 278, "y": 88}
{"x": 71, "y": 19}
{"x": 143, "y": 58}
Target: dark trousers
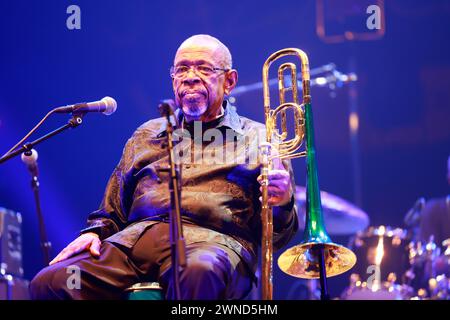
{"x": 213, "y": 271}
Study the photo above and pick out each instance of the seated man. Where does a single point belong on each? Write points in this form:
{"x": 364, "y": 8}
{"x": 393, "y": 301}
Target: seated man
{"x": 127, "y": 239}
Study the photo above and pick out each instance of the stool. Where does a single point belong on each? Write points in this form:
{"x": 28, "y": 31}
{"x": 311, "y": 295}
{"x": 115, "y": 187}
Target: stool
{"x": 145, "y": 291}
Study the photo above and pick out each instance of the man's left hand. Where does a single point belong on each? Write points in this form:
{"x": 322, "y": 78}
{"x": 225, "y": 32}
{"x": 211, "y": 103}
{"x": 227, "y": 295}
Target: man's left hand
{"x": 280, "y": 191}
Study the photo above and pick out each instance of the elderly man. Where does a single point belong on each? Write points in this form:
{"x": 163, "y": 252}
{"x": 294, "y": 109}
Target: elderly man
{"x": 127, "y": 239}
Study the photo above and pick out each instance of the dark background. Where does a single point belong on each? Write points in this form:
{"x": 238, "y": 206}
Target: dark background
{"x": 125, "y": 49}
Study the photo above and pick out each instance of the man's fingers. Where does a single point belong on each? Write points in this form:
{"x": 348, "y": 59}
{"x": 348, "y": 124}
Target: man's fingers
{"x": 95, "y": 247}
{"x": 273, "y": 191}
{"x": 276, "y": 174}
{"x": 55, "y": 260}
{"x": 85, "y": 241}
{"x": 281, "y": 185}
{"x": 272, "y": 200}
{"x": 69, "y": 251}
{"x": 62, "y": 256}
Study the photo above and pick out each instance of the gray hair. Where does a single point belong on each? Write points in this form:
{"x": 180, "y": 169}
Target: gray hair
{"x": 205, "y": 38}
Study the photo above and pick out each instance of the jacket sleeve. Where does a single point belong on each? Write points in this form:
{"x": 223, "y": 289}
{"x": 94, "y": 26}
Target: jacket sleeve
{"x": 285, "y": 221}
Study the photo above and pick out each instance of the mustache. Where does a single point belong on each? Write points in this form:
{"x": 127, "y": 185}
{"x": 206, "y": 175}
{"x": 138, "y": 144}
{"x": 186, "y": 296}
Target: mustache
{"x": 184, "y": 92}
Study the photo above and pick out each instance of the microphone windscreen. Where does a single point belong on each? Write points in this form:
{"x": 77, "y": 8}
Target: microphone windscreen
{"x": 165, "y": 109}
{"x": 110, "y": 104}
{"x": 31, "y": 159}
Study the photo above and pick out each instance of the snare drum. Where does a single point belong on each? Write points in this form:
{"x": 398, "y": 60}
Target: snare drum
{"x": 382, "y": 258}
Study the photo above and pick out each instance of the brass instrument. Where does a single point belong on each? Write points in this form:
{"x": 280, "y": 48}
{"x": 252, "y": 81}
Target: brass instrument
{"x": 316, "y": 256}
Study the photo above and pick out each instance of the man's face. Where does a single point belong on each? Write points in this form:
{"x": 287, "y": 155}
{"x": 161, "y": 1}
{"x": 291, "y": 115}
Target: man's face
{"x": 200, "y": 97}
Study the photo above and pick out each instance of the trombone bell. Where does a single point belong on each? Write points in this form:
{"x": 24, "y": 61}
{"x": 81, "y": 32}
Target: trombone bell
{"x": 303, "y": 260}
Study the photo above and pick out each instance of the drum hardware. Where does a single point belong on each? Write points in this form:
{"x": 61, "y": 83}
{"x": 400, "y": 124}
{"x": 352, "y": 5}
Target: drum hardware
{"x": 408, "y": 270}
{"x": 446, "y": 245}
{"x": 421, "y": 257}
{"x": 381, "y": 254}
{"x": 386, "y": 290}
{"x": 439, "y": 287}
{"x": 429, "y": 274}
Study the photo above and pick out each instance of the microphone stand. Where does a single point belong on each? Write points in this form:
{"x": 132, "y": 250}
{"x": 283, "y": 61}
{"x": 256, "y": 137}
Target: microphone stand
{"x": 75, "y": 121}
{"x": 45, "y": 244}
{"x": 177, "y": 243}
{"x": 324, "y": 295}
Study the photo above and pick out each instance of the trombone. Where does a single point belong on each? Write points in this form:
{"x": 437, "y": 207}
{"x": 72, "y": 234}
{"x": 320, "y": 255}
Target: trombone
{"x": 317, "y": 256}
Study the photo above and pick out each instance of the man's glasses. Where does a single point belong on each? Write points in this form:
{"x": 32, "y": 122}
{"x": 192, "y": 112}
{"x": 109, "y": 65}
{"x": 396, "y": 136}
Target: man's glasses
{"x": 201, "y": 70}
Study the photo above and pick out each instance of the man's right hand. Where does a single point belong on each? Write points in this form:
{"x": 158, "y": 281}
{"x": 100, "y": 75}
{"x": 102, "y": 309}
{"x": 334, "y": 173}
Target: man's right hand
{"x": 87, "y": 241}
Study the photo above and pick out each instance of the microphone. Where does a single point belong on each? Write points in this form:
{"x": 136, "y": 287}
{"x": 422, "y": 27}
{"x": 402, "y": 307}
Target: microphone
{"x": 107, "y": 106}
{"x": 167, "y": 108}
{"x": 412, "y": 217}
{"x": 31, "y": 162}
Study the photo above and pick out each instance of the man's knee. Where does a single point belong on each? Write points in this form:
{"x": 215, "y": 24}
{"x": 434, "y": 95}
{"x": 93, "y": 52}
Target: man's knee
{"x": 51, "y": 282}
{"x": 200, "y": 268}
{"x": 210, "y": 273}
{"x": 206, "y": 265}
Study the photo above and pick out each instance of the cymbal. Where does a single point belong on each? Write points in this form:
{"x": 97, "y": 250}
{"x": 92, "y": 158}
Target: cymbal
{"x": 340, "y": 216}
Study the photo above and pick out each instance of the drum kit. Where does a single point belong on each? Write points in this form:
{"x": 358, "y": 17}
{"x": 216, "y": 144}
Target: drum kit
{"x": 391, "y": 263}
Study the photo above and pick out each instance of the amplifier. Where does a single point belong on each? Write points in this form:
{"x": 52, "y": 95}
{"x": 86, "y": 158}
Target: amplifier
{"x": 10, "y": 243}
{"x": 14, "y": 288}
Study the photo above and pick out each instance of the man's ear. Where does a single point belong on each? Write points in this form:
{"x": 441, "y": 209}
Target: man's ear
{"x": 175, "y": 94}
{"x": 230, "y": 81}
{"x": 173, "y": 85}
